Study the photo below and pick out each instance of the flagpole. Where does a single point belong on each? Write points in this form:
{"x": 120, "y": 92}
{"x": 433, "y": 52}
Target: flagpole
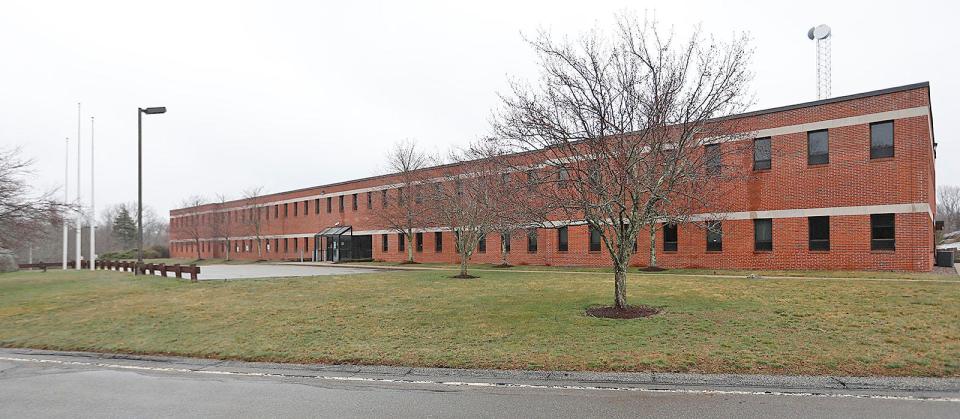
{"x": 79, "y": 199}
{"x": 93, "y": 208}
{"x": 66, "y": 199}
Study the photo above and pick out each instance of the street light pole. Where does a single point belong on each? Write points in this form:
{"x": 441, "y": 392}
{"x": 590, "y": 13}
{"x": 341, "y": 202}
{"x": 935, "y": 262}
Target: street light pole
{"x": 140, "y": 112}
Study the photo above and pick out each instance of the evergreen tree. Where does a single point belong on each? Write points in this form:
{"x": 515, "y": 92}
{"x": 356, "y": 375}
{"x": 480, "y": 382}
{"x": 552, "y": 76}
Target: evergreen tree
{"x": 125, "y": 228}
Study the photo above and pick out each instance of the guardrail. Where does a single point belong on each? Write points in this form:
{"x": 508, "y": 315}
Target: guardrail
{"x": 127, "y": 266}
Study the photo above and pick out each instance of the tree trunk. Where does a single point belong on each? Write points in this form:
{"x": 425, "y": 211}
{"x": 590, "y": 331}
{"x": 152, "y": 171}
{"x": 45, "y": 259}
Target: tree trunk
{"x": 228, "y": 250}
{"x": 503, "y": 251}
{"x": 619, "y": 285}
{"x": 409, "y": 238}
{"x": 198, "y": 250}
{"x": 259, "y": 250}
{"x": 653, "y": 247}
{"x": 463, "y": 265}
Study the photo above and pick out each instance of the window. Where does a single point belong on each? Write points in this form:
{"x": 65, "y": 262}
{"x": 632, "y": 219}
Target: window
{"x": 385, "y": 242}
{"x": 306, "y": 207}
{"x": 340, "y": 201}
{"x": 276, "y": 211}
{"x": 295, "y": 207}
{"x": 881, "y": 139}
{"x": 531, "y": 179}
{"x": 563, "y": 175}
{"x": 818, "y": 147}
{"x": 562, "y": 239}
{"x": 268, "y": 246}
{"x": 286, "y": 246}
{"x": 712, "y": 157}
{"x": 761, "y": 154}
{"x": 369, "y": 200}
{"x": 354, "y": 202}
{"x": 532, "y": 240}
{"x": 419, "y": 240}
{"x": 329, "y": 204}
{"x": 882, "y": 232}
{"x": 819, "y": 233}
{"x": 763, "y": 234}
{"x": 401, "y": 242}
{"x": 285, "y": 210}
{"x": 505, "y": 242}
{"x": 714, "y": 236}
{"x": 295, "y": 245}
{"x": 594, "y": 239}
{"x": 383, "y": 198}
{"x": 400, "y": 195}
{"x": 438, "y": 241}
{"x": 482, "y": 244}
{"x": 316, "y": 206}
{"x": 669, "y": 237}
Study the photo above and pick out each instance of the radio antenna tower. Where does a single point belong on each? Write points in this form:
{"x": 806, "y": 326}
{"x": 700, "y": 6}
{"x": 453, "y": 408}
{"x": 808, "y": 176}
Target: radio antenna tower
{"x": 821, "y": 34}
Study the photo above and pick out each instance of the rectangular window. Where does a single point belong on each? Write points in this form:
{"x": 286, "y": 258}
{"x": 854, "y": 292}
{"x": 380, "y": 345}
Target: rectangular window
{"x": 819, "y": 228}
{"x": 761, "y": 154}
{"x": 438, "y": 241}
{"x": 369, "y": 200}
{"x": 712, "y": 157}
{"x": 818, "y": 147}
{"x": 419, "y": 241}
{"x": 383, "y": 198}
{"x": 505, "y": 242}
{"x": 400, "y": 195}
{"x": 881, "y": 139}
{"x": 316, "y": 206}
{"x": 532, "y": 240}
{"x": 295, "y": 209}
{"x": 563, "y": 175}
{"x": 385, "y": 239}
{"x": 763, "y": 234}
{"x": 669, "y": 237}
{"x": 286, "y": 210}
{"x": 594, "y": 239}
{"x": 714, "y": 236}
{"x": 306, "y": 207}
{"x": 482, "y": 244}
{"x": 329, "y": 204}
{"x": 276, "y": 211}
{"x": 882, "y": 232}
{"x": 401, "y": 242}
{"x": 562, "y": 239}
{"x": 295, "y": 245}
{"x": 286, "y": 246}
{"x": 354, "y": 205}
{"x": 340, "y": 200}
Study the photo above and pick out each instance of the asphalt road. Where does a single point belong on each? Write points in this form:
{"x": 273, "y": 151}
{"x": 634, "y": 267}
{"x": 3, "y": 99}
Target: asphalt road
{"x": 265, "y": 271}
{"x": 38, "y": 385}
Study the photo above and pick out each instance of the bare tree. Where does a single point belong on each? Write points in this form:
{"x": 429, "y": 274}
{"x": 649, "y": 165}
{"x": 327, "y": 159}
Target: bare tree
{"x": 257, "y": 217}
{"x": 406, "y": 211}
{"x": 617, "y": 129}
{"x": 948, "y": 207}
{"x": 193, "y": 227}
{"x": 24, "y": 212}
{"x": 462, "y": 201}
{"x": 221, "y": 224}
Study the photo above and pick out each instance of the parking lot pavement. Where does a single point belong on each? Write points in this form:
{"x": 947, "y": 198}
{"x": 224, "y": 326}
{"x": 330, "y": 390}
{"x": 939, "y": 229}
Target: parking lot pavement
{"x": 222, "y": 272}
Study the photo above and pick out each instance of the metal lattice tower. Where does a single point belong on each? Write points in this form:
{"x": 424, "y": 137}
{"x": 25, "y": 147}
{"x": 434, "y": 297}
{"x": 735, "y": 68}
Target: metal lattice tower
{"x": 821, "y": 34}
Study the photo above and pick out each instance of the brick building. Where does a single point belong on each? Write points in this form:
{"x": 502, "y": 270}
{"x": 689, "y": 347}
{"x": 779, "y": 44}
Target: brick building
{"x": 848, "y": 183}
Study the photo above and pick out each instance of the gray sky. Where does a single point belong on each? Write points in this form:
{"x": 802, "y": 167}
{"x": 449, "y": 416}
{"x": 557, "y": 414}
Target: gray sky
{"x": 295, "y": 94}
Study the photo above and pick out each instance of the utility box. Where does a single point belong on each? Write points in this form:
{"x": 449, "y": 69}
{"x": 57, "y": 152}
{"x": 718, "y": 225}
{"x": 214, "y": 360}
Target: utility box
{"x": 945, "y": 257}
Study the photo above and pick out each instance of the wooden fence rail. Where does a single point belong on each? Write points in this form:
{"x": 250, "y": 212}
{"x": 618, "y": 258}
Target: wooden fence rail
{"x": 161, "y": 269}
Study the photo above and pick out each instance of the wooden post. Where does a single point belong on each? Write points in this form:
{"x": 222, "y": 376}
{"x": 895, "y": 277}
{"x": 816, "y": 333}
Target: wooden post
{"x": 194, "y": 270}
{"x": 177, "y": 271}
{"x": 163, "y": 270}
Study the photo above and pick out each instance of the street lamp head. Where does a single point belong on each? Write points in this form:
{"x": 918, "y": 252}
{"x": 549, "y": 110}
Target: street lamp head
{"x": 151, "y": 111}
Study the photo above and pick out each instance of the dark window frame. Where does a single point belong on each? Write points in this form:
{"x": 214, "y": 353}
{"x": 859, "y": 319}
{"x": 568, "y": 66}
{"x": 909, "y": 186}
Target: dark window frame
{"x": 714, "y": 236}
{"x": 316, "y": 206}
{"x": 670, "y": 231}
{"x": 401, "y": 242}
{"x": 383, "y": 198}
{"x": 340, "y": 203}
{"x": 418, "y": 241}
{"x": 818, "y": 233}
{"x": 385, "y": 243}
{"x": 563, "y": 239}
{"x": 369, "y": 200}
{"x": 595, "y": 245}
{"x": 438, "y": 241}
{"x": 762, "y": 164}
{"x": 883, "y": 152}
{"x": 482, "y": 244}
{"x": 762, "y": 244}
{"x": 505, "y": 241}
{"x": 329, "y": 204}
{"x": 713, "y": 159}
{"x": 286, "y": 211}
{"x": 532, "y": 240}
{"x": 818, "y": 159}
{"x": 883, "y": 232}
{"x": 354, "y": 202}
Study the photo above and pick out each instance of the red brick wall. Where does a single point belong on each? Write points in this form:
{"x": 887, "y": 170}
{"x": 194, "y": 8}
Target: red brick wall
{"x": 850, "y": 179}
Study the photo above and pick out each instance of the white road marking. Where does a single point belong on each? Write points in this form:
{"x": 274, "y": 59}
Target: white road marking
{"x": 482, "y": 384}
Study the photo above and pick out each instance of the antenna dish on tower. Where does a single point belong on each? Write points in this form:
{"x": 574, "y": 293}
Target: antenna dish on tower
{"x": 821, "y": 34}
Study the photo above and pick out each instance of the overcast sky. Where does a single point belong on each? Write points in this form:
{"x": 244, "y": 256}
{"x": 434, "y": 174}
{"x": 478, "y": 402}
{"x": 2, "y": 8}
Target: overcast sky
{"x": 287, "y": 95}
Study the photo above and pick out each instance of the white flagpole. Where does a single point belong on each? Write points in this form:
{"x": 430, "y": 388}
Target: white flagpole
{"x": 93, "y": 208}
{"x": 79, "y": 199}
{"x": 66, "y": 199}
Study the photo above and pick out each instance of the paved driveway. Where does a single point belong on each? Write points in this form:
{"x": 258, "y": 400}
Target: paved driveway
{"x": 214, "y": 272}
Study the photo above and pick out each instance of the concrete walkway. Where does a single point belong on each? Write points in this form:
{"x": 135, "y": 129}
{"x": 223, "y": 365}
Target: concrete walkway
{"x": 267, "y": 271}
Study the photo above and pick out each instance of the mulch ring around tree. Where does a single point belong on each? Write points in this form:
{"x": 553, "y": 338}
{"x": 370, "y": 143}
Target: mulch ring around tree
{"x": 502, "y": 266}
{"x": 652, "y": 269}
{"x": 628, "y": 312}
{"x": 464, "y": 277}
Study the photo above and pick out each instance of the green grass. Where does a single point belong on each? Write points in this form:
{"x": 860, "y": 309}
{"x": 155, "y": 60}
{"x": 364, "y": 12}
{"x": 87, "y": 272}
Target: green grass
{"x": 501, "y": 320}
{"x": 690, "y": 272}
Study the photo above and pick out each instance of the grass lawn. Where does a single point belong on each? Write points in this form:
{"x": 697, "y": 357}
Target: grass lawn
{"x": 502, "y": 320}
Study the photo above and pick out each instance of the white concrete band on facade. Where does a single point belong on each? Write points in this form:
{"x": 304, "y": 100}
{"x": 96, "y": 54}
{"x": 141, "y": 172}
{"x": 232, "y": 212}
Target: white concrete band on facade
{"x": 767, "y": 132}
{"x": 915, "y": 208}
